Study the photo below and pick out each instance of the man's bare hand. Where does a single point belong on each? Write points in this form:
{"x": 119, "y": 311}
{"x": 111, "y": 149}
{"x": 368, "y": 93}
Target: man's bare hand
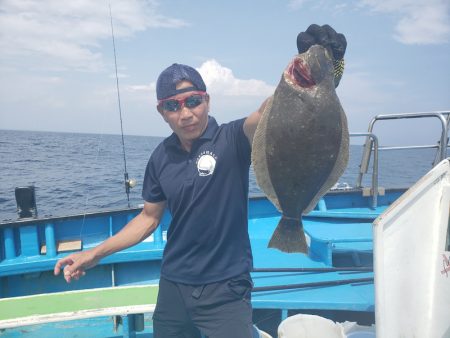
{"x": 74, "y": 265}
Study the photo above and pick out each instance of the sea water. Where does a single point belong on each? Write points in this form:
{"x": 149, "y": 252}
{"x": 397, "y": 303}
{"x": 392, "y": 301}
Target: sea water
{"x": 79, "y": 173}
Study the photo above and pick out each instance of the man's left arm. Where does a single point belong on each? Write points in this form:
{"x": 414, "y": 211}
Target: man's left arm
{"x": 251, "y": 122}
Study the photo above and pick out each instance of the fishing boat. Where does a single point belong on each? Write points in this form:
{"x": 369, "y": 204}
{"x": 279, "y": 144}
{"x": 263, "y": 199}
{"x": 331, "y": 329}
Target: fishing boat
{"x": 348, "y": 275}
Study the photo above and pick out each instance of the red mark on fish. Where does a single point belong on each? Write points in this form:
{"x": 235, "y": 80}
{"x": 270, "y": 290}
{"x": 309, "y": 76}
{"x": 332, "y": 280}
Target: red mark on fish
{"x": 446, "y": 265}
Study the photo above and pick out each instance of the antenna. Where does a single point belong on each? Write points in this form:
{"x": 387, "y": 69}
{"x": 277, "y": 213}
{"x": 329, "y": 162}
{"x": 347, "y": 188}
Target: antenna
{"x": 129, "y": 183}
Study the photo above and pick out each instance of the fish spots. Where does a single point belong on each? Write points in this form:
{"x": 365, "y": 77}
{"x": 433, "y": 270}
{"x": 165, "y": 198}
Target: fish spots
{"x": 300, "y": 147}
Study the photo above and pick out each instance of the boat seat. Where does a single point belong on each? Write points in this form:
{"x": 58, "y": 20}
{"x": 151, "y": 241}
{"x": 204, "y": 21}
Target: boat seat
{"x": 73, "y": 305}
{"x": 328, "y": 239}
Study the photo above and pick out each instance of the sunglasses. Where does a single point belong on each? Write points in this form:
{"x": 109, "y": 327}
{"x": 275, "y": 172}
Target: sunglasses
{"x": 174, "y": 105}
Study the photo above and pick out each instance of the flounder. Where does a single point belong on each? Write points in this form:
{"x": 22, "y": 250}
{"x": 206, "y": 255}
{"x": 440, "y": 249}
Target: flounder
{"x": 301, "y": 145}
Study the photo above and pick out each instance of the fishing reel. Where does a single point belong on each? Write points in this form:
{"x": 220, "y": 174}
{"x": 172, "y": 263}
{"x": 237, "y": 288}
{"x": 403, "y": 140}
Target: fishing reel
{"x": 129, "y": 183}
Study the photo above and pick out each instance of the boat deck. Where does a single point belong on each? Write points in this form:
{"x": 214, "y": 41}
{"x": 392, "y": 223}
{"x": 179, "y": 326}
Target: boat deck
{"x": 339, "y": 236}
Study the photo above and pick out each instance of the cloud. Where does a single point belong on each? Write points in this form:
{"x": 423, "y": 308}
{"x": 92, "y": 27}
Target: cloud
{"x": 417, "y": 21}
{"x": 296, "y": 4}
{"x": 141, "y": 93}
{"x": 139, "y": 88}
{"x": 119, "y": 75}
{"x": 68, "y": 34}
{"x": 221, "y": 80}
{"x": 364, "y": 92}
{"x": 420, "y": 22}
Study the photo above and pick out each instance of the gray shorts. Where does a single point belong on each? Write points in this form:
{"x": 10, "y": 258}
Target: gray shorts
{"x": 217, "y": 310}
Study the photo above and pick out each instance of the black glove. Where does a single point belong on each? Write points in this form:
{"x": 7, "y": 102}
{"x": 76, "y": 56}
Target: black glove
{"x": 324, "y": 36}
{"x": 328, "y": 38}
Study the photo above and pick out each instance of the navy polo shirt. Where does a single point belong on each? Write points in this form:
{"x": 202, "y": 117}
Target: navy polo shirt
{"x": 207, "y": 195}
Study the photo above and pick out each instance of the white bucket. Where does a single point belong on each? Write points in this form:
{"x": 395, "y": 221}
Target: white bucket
{"x": 259, "y": 333}
{"x": 309, "y": 326}
{"x": 361, "y": 334}
{"x": 263, "y": 334}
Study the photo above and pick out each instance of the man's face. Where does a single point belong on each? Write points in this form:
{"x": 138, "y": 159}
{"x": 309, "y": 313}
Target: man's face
{"x": 188, "y": 123}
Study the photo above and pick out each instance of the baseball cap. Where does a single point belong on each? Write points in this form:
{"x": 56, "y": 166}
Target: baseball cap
{"x": 169, "y": 77}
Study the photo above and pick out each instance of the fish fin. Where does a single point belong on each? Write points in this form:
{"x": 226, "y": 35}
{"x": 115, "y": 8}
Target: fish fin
{"x": 338, "y": 169}
{"x": 289, "y": 236}
{"x": 338, "y": 71}
{"x": 259, "y": 159}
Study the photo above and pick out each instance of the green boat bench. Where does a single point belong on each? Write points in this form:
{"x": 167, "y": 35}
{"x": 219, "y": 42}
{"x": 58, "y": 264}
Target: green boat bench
{"x": 72, "y": 305}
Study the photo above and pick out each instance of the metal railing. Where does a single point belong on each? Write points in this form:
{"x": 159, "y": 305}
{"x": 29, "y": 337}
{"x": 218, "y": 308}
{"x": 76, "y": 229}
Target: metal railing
{"x": 373, "y": 139}
{"x": 372, "y": 145}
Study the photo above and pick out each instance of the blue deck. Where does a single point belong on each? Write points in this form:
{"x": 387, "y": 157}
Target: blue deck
{"x": 328, "y": 237}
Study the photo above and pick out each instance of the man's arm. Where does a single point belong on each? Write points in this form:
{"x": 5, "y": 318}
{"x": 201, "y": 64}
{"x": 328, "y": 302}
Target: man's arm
{"x": 251, "y": 122}
{"x": 135, "y": 231}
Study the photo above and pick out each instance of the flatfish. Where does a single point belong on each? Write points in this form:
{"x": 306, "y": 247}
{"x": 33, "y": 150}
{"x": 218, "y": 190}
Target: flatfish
{"x": 301, "y": 144}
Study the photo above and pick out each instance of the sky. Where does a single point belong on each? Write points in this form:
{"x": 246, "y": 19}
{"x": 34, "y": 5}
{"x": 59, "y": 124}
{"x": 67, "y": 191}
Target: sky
{"x": 57, "y": 68}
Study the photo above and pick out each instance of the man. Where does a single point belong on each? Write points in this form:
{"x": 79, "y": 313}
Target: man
{"x": 200, "y": 173}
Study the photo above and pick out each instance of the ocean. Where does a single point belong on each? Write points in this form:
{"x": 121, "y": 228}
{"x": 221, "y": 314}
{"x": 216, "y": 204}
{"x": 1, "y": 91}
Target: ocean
{"x": 79, "y": 173}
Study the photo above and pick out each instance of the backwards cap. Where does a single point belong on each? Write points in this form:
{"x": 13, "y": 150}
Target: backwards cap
{"x": 168, "y": 79}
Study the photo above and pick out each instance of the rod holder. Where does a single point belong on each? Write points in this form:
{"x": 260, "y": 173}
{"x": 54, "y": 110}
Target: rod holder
{"x": 26, "y": 202}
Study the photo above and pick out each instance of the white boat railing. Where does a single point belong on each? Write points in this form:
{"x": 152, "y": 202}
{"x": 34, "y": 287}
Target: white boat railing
{"x": 372, "y": 145}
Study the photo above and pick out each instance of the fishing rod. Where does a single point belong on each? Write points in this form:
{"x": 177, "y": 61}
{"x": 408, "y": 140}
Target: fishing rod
{"x": 129, "y": 183}
{"x": 325, "y": 269}
{"x": 313, "y": 284}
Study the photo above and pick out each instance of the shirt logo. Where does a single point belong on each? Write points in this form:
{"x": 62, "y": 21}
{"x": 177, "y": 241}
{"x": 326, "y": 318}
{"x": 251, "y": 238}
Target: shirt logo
{"x": 206, "y": 163}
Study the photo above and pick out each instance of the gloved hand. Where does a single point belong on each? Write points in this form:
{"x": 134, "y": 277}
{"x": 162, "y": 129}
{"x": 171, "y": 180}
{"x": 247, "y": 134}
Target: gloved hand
{"x": 327, "y": 37}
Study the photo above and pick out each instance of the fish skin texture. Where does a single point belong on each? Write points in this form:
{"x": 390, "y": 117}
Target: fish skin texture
{"x": 301, "y": 145}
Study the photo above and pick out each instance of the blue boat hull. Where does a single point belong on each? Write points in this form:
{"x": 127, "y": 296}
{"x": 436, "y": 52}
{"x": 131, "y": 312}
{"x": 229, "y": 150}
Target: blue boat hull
{"x": 339, "y": 229}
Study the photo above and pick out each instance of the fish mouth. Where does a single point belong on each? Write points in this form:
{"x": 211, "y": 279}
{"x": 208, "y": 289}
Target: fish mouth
{"x": 299, "y": 73}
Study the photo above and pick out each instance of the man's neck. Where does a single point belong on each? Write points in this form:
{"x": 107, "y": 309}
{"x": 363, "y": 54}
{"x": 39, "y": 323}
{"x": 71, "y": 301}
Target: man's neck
{"x": 186, "y": 145}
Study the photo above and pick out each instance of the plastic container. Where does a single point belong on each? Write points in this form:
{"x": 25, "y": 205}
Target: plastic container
{"x": 361, "y": 334}
{"x": 309, "y": 326}
{"x": 257, "y": 333}
{"x": 263, "y": 334}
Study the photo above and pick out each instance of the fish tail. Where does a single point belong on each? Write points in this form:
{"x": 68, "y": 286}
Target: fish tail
{"x": 289, "y": 236}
